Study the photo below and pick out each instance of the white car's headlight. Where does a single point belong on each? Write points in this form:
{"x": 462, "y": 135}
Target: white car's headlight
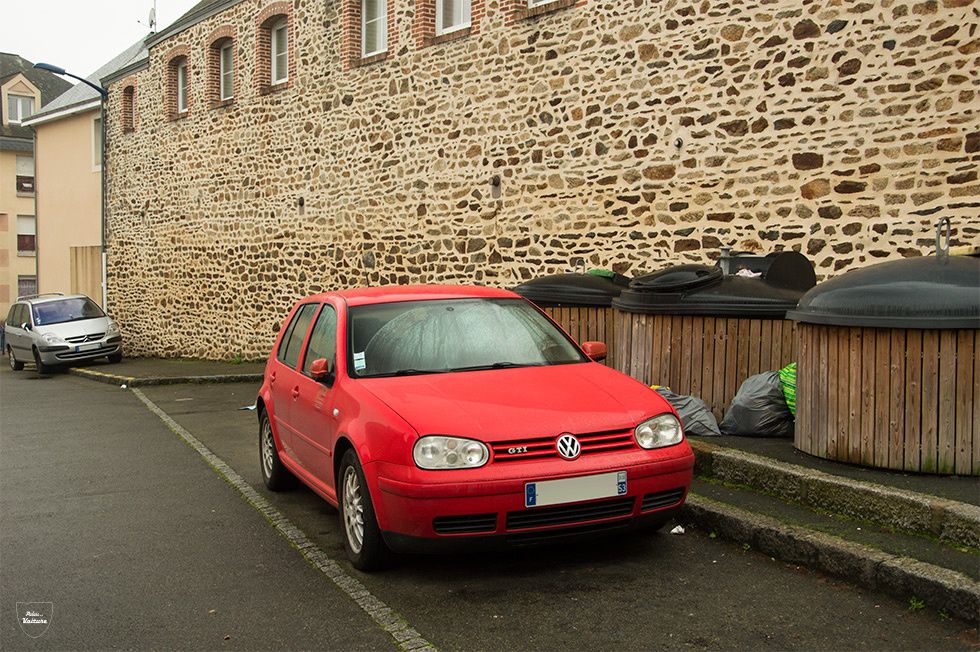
{"x": 112, "y": 329}
{"x": 440, "y": 452}
{"x": 660, "y": 431}
{"x": 51, "y": 338}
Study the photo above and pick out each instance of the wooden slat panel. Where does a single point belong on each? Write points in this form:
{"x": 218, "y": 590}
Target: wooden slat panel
{"x": 831, "y": 378}
{"x": 755, "y": 337}
{"x": 731, "y": 360}
{"x": 867, "y": 388}
{"x": 976, "y": 402}
{"x": 707, "y": 370}
{"x": 843, "y": 373}
{"x": 930, "y": 396}
{"x": 896, "y": 400}
{"x": 913, "y": 400}
{"x": 805, "y": 405}
{"x": 699, "y": 326}
{"x": 854, "y": 399}
{"x": 880, "y": 398}
{"x": 947, "y": 401}
{"x": 742, "y": 354}
{"x": 687, "y": 343}
{"x": 964, "y": 402}
{"x": 765, "y": 346}
{"x": 789, "y": 343}
{"x": 665, "y": 352}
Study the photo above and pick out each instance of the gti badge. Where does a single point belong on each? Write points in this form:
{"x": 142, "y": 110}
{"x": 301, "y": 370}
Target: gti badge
{"x": 568, "y": 447}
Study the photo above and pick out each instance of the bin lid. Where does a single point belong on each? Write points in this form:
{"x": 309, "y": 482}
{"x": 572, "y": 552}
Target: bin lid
{"x": 573, "y": 289}
{"x": 726, "y": 296}
{"x": 935, "y": 292}
{"x": 679, "y": 278}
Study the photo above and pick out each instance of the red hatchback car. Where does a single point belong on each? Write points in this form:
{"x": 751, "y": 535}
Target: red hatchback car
{"x": 442, "y": 417}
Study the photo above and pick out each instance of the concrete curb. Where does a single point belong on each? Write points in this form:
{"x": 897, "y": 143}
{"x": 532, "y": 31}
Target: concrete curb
{"x": 948, "y": 520}
{"x": 133, "y": 381}
{"x": 902, "y": 577}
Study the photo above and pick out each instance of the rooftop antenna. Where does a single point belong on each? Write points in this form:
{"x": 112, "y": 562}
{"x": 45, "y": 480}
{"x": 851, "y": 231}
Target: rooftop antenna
{"x": 152, "y": 20}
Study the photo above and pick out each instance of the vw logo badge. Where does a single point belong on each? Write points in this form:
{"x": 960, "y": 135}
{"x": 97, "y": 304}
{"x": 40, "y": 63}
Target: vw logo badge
{"x": 568, "y": 447}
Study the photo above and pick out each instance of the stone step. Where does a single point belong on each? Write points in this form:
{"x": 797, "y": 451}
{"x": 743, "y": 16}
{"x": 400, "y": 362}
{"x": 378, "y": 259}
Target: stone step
{"x": 950, "y": 521}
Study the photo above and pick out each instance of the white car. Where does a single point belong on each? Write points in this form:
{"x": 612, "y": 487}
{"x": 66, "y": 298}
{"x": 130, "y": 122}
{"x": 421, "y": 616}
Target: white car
{"x": 54, "y": 329}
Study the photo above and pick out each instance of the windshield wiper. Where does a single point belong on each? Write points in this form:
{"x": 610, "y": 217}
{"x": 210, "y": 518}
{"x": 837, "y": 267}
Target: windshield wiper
{"x": 408, "y": 372}
{"x": 495, "y": 365}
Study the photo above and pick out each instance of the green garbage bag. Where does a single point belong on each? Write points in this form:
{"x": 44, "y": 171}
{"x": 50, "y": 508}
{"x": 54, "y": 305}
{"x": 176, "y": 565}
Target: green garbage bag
{"x": 787, "y": 378}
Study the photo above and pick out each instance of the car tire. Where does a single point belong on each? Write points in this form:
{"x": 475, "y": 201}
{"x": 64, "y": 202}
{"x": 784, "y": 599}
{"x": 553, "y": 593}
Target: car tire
{"x": 41, "y": 367}
{"x": 358, "y": 525}
{"x": 115, "y": 358}
{"x": 15, "y": 365}
{"x": 274, "y": 473}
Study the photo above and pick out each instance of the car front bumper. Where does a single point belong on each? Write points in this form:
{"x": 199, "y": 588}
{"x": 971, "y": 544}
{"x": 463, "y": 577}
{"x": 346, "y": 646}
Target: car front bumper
{"x": 69, "y": 354}
{"x": 488, "y": 512}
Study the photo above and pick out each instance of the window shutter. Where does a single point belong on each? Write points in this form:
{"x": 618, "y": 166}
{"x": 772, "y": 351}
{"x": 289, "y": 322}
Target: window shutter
{"x": 25, "y": 166}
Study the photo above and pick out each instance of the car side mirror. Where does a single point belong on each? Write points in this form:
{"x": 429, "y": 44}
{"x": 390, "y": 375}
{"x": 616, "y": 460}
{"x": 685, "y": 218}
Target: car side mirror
{"x": 595, "y": 350}
{"x": 320, "y": 371}
{"x": 26, "y": 326}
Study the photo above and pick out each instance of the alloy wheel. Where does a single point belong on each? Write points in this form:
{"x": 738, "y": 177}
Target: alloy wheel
{"x": 268, "y": 450}
{"x": 353, "y": 510}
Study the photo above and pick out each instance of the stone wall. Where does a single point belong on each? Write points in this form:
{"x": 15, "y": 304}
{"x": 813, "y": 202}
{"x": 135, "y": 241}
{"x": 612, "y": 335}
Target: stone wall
{"x": 631, "y": 134}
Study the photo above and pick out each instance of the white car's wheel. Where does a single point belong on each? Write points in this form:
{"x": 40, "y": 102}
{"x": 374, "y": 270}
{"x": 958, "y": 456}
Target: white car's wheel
{"x": 14, "y": 364}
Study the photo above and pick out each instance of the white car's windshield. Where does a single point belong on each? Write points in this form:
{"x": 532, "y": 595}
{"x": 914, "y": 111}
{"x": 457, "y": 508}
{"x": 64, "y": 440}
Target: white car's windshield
{"x": 64, "y": 310}
{"x": 440, "y": 336}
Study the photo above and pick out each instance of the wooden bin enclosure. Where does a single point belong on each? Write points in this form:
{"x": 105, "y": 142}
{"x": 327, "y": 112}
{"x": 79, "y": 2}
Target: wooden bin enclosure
{"x": 587, "y": 324}
{"x": 904, "y": 399}
{"x": 703, "y": 356}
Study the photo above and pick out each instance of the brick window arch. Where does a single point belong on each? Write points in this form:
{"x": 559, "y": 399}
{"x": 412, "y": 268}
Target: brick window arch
{"x": 179, "y": 96}
{"x": 223, "y": 73}
{"x": 275, "y": 60}
{"x": 129, "y": 107}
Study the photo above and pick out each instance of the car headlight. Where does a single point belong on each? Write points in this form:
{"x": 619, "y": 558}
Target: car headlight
{"x": 51, "y": 338}
{"x": 440, "y": 452}
{"x": 660, "y": 431}
{"x": 112, "y": 329}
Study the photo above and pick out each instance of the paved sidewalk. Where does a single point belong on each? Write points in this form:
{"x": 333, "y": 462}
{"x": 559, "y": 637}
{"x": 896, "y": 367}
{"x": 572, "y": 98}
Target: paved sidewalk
{"x": 136, "y": 372}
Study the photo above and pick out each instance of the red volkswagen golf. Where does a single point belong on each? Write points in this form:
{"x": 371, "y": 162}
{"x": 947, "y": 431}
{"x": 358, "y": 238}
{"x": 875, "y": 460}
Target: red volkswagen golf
{"x": 441, "y": 417}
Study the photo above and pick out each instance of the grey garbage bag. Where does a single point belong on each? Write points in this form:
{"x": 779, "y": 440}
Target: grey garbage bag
{"x": 695, "y": 415}
{"x": 759, "y": 409}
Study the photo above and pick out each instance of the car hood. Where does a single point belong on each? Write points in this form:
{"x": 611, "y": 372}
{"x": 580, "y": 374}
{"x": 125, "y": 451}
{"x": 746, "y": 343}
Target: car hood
{"x": 505, "y": 404}
{"x": 75, "y": 328}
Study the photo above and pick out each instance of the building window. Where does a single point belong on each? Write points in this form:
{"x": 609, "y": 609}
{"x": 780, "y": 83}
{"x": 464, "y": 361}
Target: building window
{"x": 26, "y": 287}
{"x": 97, "y": 144}
{"x": 129, "y": 108}
{"x": 452, "y": 15}
{"x": 19, "y": 108}
{"x": 26, "y": 235}
{"x": 279, "y": 36}
{"x": 374, "y": 27}
{"x": 182, "y": 87}
{"x": 226, "y": 72}
{"x": 25, "y": 174}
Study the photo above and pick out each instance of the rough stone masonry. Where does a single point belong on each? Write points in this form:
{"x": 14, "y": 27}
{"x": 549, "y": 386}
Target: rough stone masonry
{"x": 631, "y": 134}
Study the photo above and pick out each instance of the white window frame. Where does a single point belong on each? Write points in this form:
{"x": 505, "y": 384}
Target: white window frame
{"x": 97, "y": 144}
{"x": 531, "y": 4}
{"x": 275, "y": 55}
{"x": 226, "y": 72}
{"x": 462, "y": 9}
{"x": 182, "y": 87}
{"x": 19, "y": 101}
{"x": 381, "y": 18}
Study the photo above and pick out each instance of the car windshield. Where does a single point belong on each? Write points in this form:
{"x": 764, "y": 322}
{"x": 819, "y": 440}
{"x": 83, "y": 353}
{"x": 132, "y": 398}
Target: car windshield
{"x": 64, "y": 310}
{"x": 443, "y": 336}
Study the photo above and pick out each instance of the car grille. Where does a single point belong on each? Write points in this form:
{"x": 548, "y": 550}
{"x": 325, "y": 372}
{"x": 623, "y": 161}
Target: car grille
{"x": 565, "y": 514}
{"x": 465, "y": 524}
{"x": 95, "y": 353}
{"x": 542, "y": 448}
{"x": 81, "y": 339}
{"x": 662, "y": 499}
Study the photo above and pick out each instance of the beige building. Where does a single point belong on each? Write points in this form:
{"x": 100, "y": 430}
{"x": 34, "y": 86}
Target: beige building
{"x": 68, "y": 163}
{"x": 264, "y": 150}
{"x": 22, "y": 91}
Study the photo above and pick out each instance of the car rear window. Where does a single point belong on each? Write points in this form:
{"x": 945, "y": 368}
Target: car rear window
{"x": 65, "y": 310}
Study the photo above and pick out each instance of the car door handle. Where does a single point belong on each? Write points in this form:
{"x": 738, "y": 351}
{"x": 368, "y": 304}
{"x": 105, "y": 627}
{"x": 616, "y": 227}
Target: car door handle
{"x": 295, "y": 392}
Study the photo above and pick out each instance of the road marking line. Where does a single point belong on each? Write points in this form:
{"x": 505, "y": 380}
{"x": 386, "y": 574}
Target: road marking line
{"x": 405, "y": 636}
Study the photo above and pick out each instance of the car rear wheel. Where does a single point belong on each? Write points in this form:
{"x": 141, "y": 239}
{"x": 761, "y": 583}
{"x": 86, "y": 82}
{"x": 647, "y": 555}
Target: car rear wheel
{"x": 14, "y": 364}
{"x": 276, "y": 476}
{"x": 358, "y": 525}
{"x": 41, "y": 367}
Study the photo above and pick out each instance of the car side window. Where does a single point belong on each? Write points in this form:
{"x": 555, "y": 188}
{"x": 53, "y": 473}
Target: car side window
{"x": 21, "y": 317}
{"x": 292, "y": 342}
{"x": 323, "y": 339}
{"x": 12, "y": 316}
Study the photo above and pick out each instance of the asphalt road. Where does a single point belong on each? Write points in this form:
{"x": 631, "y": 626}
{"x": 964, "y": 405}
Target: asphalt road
{"x": 107, "y": 513}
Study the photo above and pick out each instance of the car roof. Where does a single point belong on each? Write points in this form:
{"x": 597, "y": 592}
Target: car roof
{"x": 394, "y": 293}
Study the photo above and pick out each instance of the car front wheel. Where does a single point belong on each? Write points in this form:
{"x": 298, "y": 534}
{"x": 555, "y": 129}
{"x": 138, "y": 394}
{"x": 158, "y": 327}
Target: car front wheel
{"x": 115, "y": 358}
{"x": 359, "y": 527}
{"x": 14, "y": 364}
{"x": 41, "y": 367}
{"x": 276, "y": 476}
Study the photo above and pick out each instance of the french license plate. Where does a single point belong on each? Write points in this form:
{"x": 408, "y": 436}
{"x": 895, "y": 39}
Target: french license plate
{"x": 87, "y": 347}
{"x": 573, "y": 490}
